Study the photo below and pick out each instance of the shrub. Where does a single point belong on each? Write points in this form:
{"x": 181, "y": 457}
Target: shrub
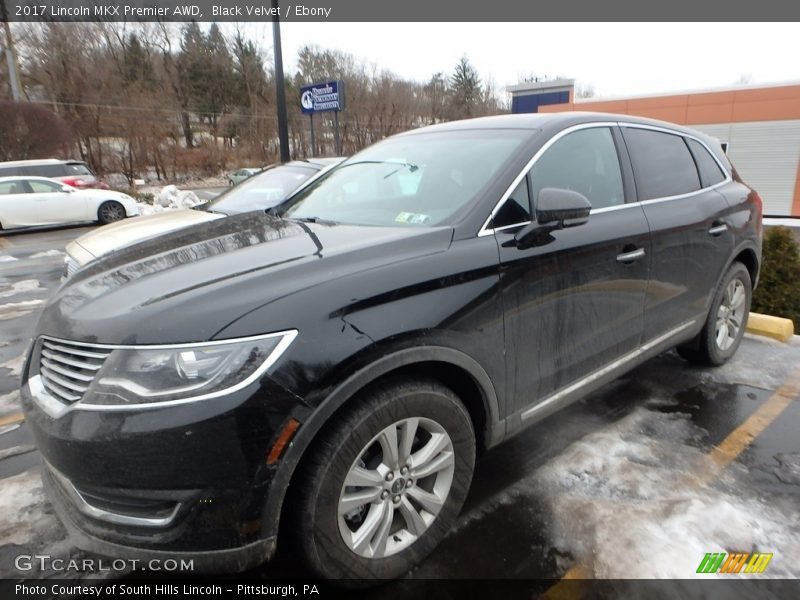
{"x": 778, "y": 292}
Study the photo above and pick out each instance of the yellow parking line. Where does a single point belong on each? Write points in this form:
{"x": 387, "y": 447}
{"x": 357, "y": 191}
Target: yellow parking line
{"x": 722, "y": 454}
{"x": 741, "y": 437}
{"x": 12, "y": 419}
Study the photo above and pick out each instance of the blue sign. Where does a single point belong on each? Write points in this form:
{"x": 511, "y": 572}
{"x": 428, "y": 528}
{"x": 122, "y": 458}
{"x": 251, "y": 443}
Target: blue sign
{"x": 321, "y": 97}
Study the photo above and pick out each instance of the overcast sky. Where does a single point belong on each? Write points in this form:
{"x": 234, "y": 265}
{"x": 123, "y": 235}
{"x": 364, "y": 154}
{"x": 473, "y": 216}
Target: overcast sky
{"x": 616, "y": 58}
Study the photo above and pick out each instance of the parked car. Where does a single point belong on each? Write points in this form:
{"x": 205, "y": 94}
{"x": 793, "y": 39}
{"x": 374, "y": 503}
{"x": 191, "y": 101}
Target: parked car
{"x": 269, "y": 188}
{"x": 34, "y": 201}
{"x": 72, "y": 172}
{"x": 340, "y": 361}
{"x": 242, "y": 174}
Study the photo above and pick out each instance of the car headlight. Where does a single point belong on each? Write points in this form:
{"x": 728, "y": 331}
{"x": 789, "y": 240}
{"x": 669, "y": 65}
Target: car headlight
{"x": 184, "y": 372}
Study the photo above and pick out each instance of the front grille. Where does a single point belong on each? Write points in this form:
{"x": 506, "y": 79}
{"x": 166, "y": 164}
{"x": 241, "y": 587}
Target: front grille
{"x": 70, "y": 266}
{"x": 68, "y": 369}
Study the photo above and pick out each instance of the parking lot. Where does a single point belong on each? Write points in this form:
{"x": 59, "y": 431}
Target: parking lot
{"x": 639, "y": 480}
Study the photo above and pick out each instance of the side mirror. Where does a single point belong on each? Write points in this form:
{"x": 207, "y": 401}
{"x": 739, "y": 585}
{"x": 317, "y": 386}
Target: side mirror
{"x": 562, "y": 208}
{"x": 68, "y": 188}
{"x": 556, "y": 209}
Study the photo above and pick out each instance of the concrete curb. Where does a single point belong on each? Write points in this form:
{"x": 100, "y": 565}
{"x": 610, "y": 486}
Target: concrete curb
{"x": 774, "y": 327}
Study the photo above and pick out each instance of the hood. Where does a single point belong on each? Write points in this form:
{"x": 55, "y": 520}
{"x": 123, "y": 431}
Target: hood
{"x": 129, "y": 231}
{"x": 188, "y": 286}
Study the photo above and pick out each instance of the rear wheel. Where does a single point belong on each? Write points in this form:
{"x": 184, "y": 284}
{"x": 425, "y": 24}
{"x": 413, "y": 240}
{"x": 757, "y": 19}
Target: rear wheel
{"x": 111, "y": 211}
{"x": 726, "y": 322}
{"x": 386, "y": 483}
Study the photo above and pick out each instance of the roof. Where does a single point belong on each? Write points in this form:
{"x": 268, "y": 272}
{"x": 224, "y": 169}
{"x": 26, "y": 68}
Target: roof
{"x": 38, "y": 161}
{"x": 537, "y": 121}
{"x": 27, "y": 177}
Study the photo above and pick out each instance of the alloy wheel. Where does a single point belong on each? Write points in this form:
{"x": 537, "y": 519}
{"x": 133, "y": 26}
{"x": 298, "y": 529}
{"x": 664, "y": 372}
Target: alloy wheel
{"x": 396, "y": 487}
{"x": 730, "y": 315}
{"x": 112, "y": 211}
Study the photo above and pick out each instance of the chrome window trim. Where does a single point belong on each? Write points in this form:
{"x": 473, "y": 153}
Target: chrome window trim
{"x": 728, "y": 177}
{"x": 55, "y": 408}
{"x": 485, "y": 230}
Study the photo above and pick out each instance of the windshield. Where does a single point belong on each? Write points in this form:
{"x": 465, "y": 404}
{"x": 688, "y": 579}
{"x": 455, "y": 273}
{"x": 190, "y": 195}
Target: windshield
{"x": 410, "y": 180}
{"x": 261, "y": 191}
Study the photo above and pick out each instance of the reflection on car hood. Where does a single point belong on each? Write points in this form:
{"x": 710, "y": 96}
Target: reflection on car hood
{"x": 191, "y": 284}
{"x": 128, "y": 231}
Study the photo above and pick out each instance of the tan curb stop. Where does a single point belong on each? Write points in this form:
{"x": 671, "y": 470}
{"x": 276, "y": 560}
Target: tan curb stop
{"x": 775, "y": 327}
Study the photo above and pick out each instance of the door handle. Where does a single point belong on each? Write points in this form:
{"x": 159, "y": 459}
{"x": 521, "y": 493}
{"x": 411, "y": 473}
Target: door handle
{"x": 718, "y": 229}
{"x": 629, "y": 257}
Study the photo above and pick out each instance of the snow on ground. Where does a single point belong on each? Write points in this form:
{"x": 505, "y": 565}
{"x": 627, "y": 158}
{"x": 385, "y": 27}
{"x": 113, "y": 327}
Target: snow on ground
{"x": 21, "y": 287}
{"x": 761, "y": 360}
{"x": 170, "y": 197}
{"x": 14, "y": 310}
{"x": 9, "y": 404}
{"x": 628, "y": 502}
{"x": 781, "y": 222}
{"x": 34, "y": 528}
{"x": 14, "y": 365}
{"x": 47, "y": 254}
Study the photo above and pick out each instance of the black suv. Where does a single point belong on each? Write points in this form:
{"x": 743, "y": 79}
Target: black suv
{"x": 340, "y": 360}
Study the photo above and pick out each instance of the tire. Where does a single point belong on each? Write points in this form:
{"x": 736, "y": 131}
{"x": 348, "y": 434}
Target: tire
{"x": 110, "y": 211}
{"x": 354, "y": 448}
{"x": 726, "y": 321}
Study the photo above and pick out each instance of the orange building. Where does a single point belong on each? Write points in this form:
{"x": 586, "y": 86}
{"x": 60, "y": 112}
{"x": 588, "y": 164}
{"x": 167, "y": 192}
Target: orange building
{"x": 759, "y": 126}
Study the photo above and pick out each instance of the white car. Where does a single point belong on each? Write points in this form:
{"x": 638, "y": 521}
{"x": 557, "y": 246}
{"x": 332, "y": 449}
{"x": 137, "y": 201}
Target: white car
{"x": 34, "y": 201}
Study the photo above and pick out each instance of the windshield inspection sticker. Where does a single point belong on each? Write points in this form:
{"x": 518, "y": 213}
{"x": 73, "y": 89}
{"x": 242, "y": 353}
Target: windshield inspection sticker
{"x": 412, "y": 218}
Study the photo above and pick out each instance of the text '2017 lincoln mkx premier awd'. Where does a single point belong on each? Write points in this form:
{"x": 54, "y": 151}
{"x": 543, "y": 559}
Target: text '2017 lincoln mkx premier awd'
{"x": 339, "y": 361}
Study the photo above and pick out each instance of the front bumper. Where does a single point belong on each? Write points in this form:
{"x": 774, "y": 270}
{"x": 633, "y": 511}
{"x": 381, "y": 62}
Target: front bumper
{"x": 187, "y": 481}
{"x": 226, "y": 560}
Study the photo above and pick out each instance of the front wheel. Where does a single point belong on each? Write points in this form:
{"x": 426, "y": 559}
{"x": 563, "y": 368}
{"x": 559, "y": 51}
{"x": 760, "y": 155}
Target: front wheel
{"x": 726, "y": 322}
{"x": 386, "y": 483}
{"x": 111, "y": 211}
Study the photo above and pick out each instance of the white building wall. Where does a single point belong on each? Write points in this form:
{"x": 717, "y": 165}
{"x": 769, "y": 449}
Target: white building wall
{"x": 767, "y": 156}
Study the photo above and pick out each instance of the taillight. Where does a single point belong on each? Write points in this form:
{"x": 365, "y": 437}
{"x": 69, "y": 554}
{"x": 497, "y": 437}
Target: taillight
{"x": 73, "y": 181}
{"x": 759, "y": 209}
{"x": 759, "y": 203}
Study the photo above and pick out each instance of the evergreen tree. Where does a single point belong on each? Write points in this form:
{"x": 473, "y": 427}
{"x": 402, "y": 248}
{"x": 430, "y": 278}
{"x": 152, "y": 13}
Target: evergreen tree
{"x": 465, "y": 89}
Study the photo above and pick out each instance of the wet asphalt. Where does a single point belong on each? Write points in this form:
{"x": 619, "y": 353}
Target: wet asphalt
{"x": 534, "y": 507}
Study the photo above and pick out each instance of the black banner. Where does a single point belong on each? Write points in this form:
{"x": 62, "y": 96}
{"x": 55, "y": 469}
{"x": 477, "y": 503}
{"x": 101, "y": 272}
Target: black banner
{"x": 466, "y": 589}
{"x": 392, "y": 11}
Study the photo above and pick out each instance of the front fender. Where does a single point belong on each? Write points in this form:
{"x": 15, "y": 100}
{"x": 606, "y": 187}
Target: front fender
{"x": 493, "y": 433}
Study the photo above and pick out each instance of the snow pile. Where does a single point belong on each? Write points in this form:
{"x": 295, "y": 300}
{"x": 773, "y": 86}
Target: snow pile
{"x": 169, "y": 198}
{"x": 635, "y": 489}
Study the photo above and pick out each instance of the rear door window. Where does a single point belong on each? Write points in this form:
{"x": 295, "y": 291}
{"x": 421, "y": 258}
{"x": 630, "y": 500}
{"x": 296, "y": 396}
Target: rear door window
{"x": 710, "y": 172}
{"x": 12, "y": 187}
{"x": 662, "y": 163}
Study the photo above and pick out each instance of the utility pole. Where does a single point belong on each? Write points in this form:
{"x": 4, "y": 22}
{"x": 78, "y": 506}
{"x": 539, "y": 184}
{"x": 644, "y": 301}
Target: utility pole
{"x": 280, "y": 88}
{"x": 11, "y": 58}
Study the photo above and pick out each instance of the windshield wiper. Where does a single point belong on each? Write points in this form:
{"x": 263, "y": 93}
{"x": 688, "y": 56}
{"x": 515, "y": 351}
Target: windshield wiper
{"x": 411, "y": 168}
{"x": 318, "y": 220}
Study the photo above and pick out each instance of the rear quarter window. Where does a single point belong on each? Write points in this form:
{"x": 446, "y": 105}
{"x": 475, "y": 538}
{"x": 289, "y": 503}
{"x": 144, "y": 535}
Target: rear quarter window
{"x": 710, "y": 172}
{"x": 662, "y": 163}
